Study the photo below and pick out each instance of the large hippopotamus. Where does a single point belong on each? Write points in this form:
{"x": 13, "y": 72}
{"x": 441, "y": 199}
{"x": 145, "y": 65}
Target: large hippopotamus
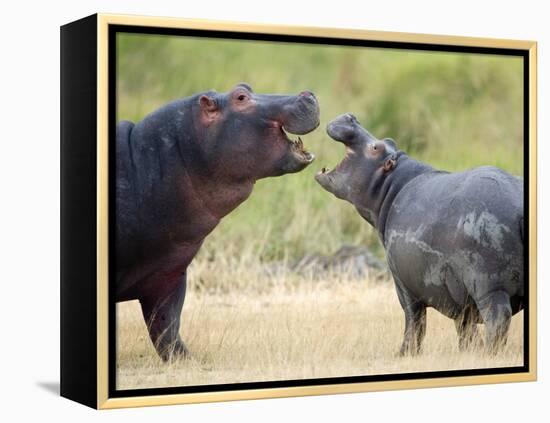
{"x": 179, "y": 172}
{"x": 454, "y": 241}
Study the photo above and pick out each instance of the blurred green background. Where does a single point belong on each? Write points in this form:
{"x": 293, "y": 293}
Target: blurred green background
{"x": 454, "y": 111}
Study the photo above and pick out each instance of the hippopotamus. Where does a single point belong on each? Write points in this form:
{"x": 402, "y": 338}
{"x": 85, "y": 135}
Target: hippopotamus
{"x": 453, "y": 241}
{"x": 179, "y": 171}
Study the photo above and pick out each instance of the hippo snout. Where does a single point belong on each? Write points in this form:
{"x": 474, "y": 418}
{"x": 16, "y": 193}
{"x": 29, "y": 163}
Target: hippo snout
{"x": 347, "y": 129}
{"x": 344, "y": 129}
{"x": 301, "y": 116}
{"x": 308, "y": 94}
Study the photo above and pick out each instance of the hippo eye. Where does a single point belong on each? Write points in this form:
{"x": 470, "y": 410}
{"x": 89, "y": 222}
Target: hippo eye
{"x": 242, "y": 97}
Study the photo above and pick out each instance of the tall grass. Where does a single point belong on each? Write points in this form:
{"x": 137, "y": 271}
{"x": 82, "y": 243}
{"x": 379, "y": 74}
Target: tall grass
{"x": 454, "y": 111}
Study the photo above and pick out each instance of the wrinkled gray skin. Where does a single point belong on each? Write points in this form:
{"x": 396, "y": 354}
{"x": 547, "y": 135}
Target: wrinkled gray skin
{"x": 454, "y": 241}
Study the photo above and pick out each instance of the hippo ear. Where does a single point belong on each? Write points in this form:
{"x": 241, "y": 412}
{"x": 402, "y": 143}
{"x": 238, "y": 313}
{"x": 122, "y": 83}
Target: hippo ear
{"x": 391, "y": 143}
{"x": 208, "y": 104}
{"x": 210, "y": 109}
{"x": 389, "y": 164}
{"x": 245, "y": 86}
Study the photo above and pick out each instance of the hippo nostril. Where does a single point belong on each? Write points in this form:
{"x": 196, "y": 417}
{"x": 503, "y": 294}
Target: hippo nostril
{"x": 307, "y": 94}
{"x": 351, "y": 117}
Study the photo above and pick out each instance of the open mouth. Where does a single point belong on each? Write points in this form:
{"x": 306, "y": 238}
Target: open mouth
{"x": 326, "y": 171}
{"x": 297, "y": 148}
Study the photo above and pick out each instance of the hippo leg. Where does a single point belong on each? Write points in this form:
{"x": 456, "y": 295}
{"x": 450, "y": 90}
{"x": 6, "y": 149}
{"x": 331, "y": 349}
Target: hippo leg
{"x": 466, "y": 327}
{"x": 415, "y": 329}
{"x": 415, "y": 322}
{"x": 496, "y": 311}
{"x": 162, "y": 316}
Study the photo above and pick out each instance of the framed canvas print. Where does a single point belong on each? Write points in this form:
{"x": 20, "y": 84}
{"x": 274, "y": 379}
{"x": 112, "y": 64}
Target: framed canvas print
{"x": 253, "y": 211}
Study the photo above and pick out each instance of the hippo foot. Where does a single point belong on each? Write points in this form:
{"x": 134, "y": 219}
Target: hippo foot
{"x": 475, "y": 344}
{"x": 407, "y": 353}
{"x": 408, "y": 350}
{"x": 495, "y": 346}
{"x": 177, "y": 351}
{"x": 469, "y": 338}
{"x": 496, "y": 311}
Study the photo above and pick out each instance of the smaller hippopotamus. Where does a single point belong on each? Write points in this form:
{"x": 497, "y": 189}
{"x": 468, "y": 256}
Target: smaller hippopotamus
{"x": 454, "y": 241}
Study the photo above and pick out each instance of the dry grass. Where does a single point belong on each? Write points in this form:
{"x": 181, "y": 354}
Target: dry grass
{"x": 259, "y": 327}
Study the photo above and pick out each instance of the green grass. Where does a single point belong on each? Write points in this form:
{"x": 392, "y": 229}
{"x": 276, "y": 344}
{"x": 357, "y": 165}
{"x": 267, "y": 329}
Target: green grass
{"x": 453, "y": 111}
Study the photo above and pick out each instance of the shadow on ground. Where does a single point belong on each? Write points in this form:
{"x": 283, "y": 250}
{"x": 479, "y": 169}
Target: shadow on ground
{"x": 51, "y": 387}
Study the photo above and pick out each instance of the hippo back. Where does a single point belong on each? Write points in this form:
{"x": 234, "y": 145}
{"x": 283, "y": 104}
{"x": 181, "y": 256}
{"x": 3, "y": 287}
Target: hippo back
{"x": 451, "y": 236}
